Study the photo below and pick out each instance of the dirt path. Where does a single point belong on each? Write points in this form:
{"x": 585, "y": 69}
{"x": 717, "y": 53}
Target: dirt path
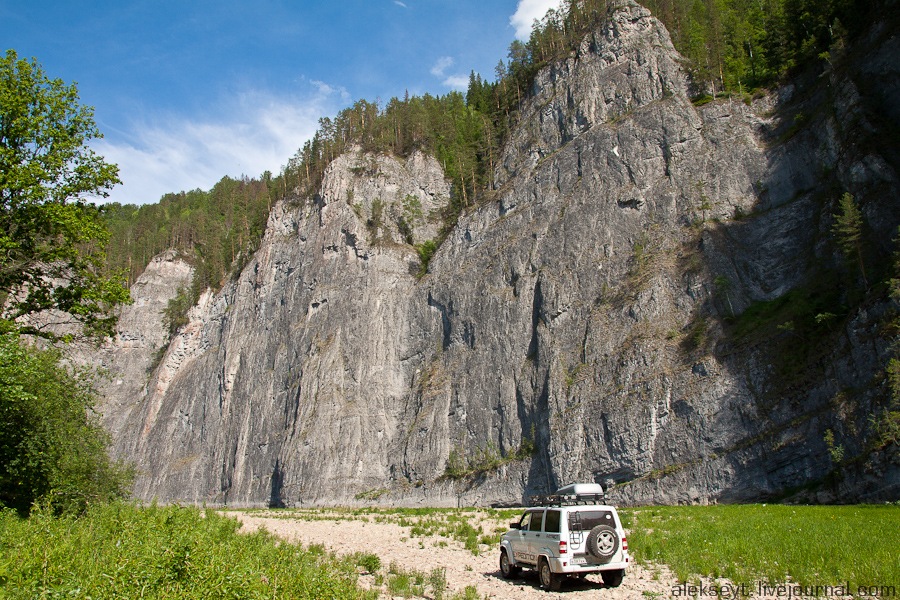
{"x": 391, "y": 537}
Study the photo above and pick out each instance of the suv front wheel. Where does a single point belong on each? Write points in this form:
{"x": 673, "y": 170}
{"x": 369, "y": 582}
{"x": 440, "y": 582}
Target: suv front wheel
{"x": 508, "y": 570}
{"x": 550, "y": 580}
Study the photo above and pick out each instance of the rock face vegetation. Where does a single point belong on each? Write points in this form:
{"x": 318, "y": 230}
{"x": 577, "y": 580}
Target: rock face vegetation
{"x": 613, "y": 264}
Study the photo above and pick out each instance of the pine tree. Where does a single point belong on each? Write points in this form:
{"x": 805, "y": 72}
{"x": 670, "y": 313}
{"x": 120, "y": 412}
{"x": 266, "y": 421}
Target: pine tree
{"x": 847, "y": 230}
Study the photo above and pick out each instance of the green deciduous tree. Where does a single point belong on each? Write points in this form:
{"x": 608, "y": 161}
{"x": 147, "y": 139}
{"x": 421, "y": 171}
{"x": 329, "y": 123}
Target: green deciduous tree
{"x": 52, "y": 447}
{"x": 52, "y": 241}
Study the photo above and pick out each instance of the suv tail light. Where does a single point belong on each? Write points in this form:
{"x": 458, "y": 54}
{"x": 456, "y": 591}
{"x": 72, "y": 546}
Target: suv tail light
{"x": 624, "y": 543}
{"x": 563, "y": 547}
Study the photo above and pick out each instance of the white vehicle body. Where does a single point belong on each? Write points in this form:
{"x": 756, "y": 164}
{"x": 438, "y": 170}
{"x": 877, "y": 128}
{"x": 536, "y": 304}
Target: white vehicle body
{"x": 573, "y": 533}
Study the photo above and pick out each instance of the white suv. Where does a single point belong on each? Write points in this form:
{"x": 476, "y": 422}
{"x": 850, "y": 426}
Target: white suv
{"x": 572, "y": 532}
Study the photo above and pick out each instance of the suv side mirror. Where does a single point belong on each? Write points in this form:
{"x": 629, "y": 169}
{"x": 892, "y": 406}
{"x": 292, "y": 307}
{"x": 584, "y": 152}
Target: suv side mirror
{"x": 514, "y": 525}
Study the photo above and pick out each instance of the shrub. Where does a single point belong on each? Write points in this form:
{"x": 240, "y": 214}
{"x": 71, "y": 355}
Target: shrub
{"x": 425, "y": 250}
{"x": 52, "y": 447}
{"x": 368, "y": 561}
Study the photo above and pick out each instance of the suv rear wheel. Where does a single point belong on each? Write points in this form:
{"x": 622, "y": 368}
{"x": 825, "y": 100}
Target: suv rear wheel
{"x": 509, "y": 571}
{"x": 613, "y": 578}
{"x": 549, "y": 580}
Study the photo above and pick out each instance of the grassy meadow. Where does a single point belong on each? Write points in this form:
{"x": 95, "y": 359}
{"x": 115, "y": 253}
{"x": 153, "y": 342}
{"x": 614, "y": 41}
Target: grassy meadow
{"x": 119, "y": 550}
{"x": 805, "y": 545}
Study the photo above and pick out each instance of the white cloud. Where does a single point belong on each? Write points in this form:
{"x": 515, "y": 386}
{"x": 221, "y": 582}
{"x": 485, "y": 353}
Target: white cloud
{"x": 457, "y": 82}
{"x": 398, "y": 3}
{"x": 454, "y": 81}
{"x": 526, "y": 12}
{"x": 441, "y": 66}
{"x": 256, "y": 132}
{"x": 327, "y": 90}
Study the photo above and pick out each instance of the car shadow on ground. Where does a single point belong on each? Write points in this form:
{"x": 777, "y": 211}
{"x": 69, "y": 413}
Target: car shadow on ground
{"x": 529, "y": 578}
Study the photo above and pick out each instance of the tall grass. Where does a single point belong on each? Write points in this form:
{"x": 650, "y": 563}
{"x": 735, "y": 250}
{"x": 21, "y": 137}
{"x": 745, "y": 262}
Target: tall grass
{"x": 121, "y": 551}
{"x": 807, "y": 545}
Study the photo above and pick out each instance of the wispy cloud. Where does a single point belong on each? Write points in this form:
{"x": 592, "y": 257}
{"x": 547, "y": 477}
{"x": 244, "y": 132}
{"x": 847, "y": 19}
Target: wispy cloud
{"x": 454, "y": 81}
{"x": 526, "y": 12}
{"x": 256, "y": 132}
{"x": 457, "y": 82}
{"x": 441, "y": 66}
{"x": 328, "y": 90}
{"x": 398, "y": 3}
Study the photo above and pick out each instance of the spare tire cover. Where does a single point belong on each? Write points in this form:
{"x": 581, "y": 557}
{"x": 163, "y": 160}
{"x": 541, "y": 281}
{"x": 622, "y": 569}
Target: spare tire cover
{"x": 603, "y": 542}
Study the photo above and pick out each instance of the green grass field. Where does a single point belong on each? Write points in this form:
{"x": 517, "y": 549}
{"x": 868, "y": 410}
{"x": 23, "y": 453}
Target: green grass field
{"x": 806, "y": 545}
{"x": 120, "y": 551}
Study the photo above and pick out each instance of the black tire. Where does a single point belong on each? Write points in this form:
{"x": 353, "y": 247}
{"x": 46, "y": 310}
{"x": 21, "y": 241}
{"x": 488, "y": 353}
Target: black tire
{"x": 603, "y": 543}
{"x": 509, "y": 571}
{"x": 549, "y": 580}
{"x": 613, "y": 578}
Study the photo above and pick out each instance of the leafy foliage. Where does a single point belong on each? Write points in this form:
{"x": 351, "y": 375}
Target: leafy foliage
{"x": 175, "y": 313}
{"x": 485, "y": 459}
{"x": 459, "y": 136}
{"x": 216, "y": 230}
{"x": 52, "y": 242}
{"x": 887, "y": 423}
{"x": 732, "y": 45}
{"x": 52, "y": 446}
{"x": 425, "y": 250}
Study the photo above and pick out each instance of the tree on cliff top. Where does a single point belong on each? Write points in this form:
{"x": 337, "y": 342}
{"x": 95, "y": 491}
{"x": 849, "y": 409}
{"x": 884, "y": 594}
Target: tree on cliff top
{"x": 52, "y": 241}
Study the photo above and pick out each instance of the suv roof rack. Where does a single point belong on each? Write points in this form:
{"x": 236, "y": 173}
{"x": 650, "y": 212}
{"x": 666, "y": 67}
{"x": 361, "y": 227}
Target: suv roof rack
{"x": 568, "y": 499}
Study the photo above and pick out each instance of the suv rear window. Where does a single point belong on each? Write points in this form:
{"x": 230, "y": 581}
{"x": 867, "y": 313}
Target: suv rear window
{"x": 585, "y": 520}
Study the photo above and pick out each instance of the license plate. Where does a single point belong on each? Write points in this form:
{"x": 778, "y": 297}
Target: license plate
{"x": 579, "y": 561}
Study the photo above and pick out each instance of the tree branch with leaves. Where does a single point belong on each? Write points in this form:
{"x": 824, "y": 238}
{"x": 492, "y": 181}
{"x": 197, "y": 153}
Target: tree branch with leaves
{"x": 52, "y": 239}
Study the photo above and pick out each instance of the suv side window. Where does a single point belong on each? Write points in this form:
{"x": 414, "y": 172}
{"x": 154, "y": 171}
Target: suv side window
{"x": 551, "y": 521}
{"x": 537, "y": 519}
{"x": 526, "y": 519}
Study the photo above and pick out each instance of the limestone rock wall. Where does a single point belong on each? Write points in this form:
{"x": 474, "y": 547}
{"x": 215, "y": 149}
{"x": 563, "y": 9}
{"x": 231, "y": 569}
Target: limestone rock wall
{"x": 575, "y": 329}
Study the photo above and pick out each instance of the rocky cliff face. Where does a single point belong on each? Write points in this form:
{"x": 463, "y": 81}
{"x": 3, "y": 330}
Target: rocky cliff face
{"x": 609, "y": 317}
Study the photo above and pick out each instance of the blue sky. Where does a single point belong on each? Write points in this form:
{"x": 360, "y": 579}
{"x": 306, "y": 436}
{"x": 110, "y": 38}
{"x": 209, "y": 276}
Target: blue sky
{"x": 186, "y": 92}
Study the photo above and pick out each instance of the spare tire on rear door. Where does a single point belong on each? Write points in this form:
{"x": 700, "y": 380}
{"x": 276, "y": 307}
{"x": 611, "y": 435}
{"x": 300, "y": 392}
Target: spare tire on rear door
{"x": 602, "y": 543}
